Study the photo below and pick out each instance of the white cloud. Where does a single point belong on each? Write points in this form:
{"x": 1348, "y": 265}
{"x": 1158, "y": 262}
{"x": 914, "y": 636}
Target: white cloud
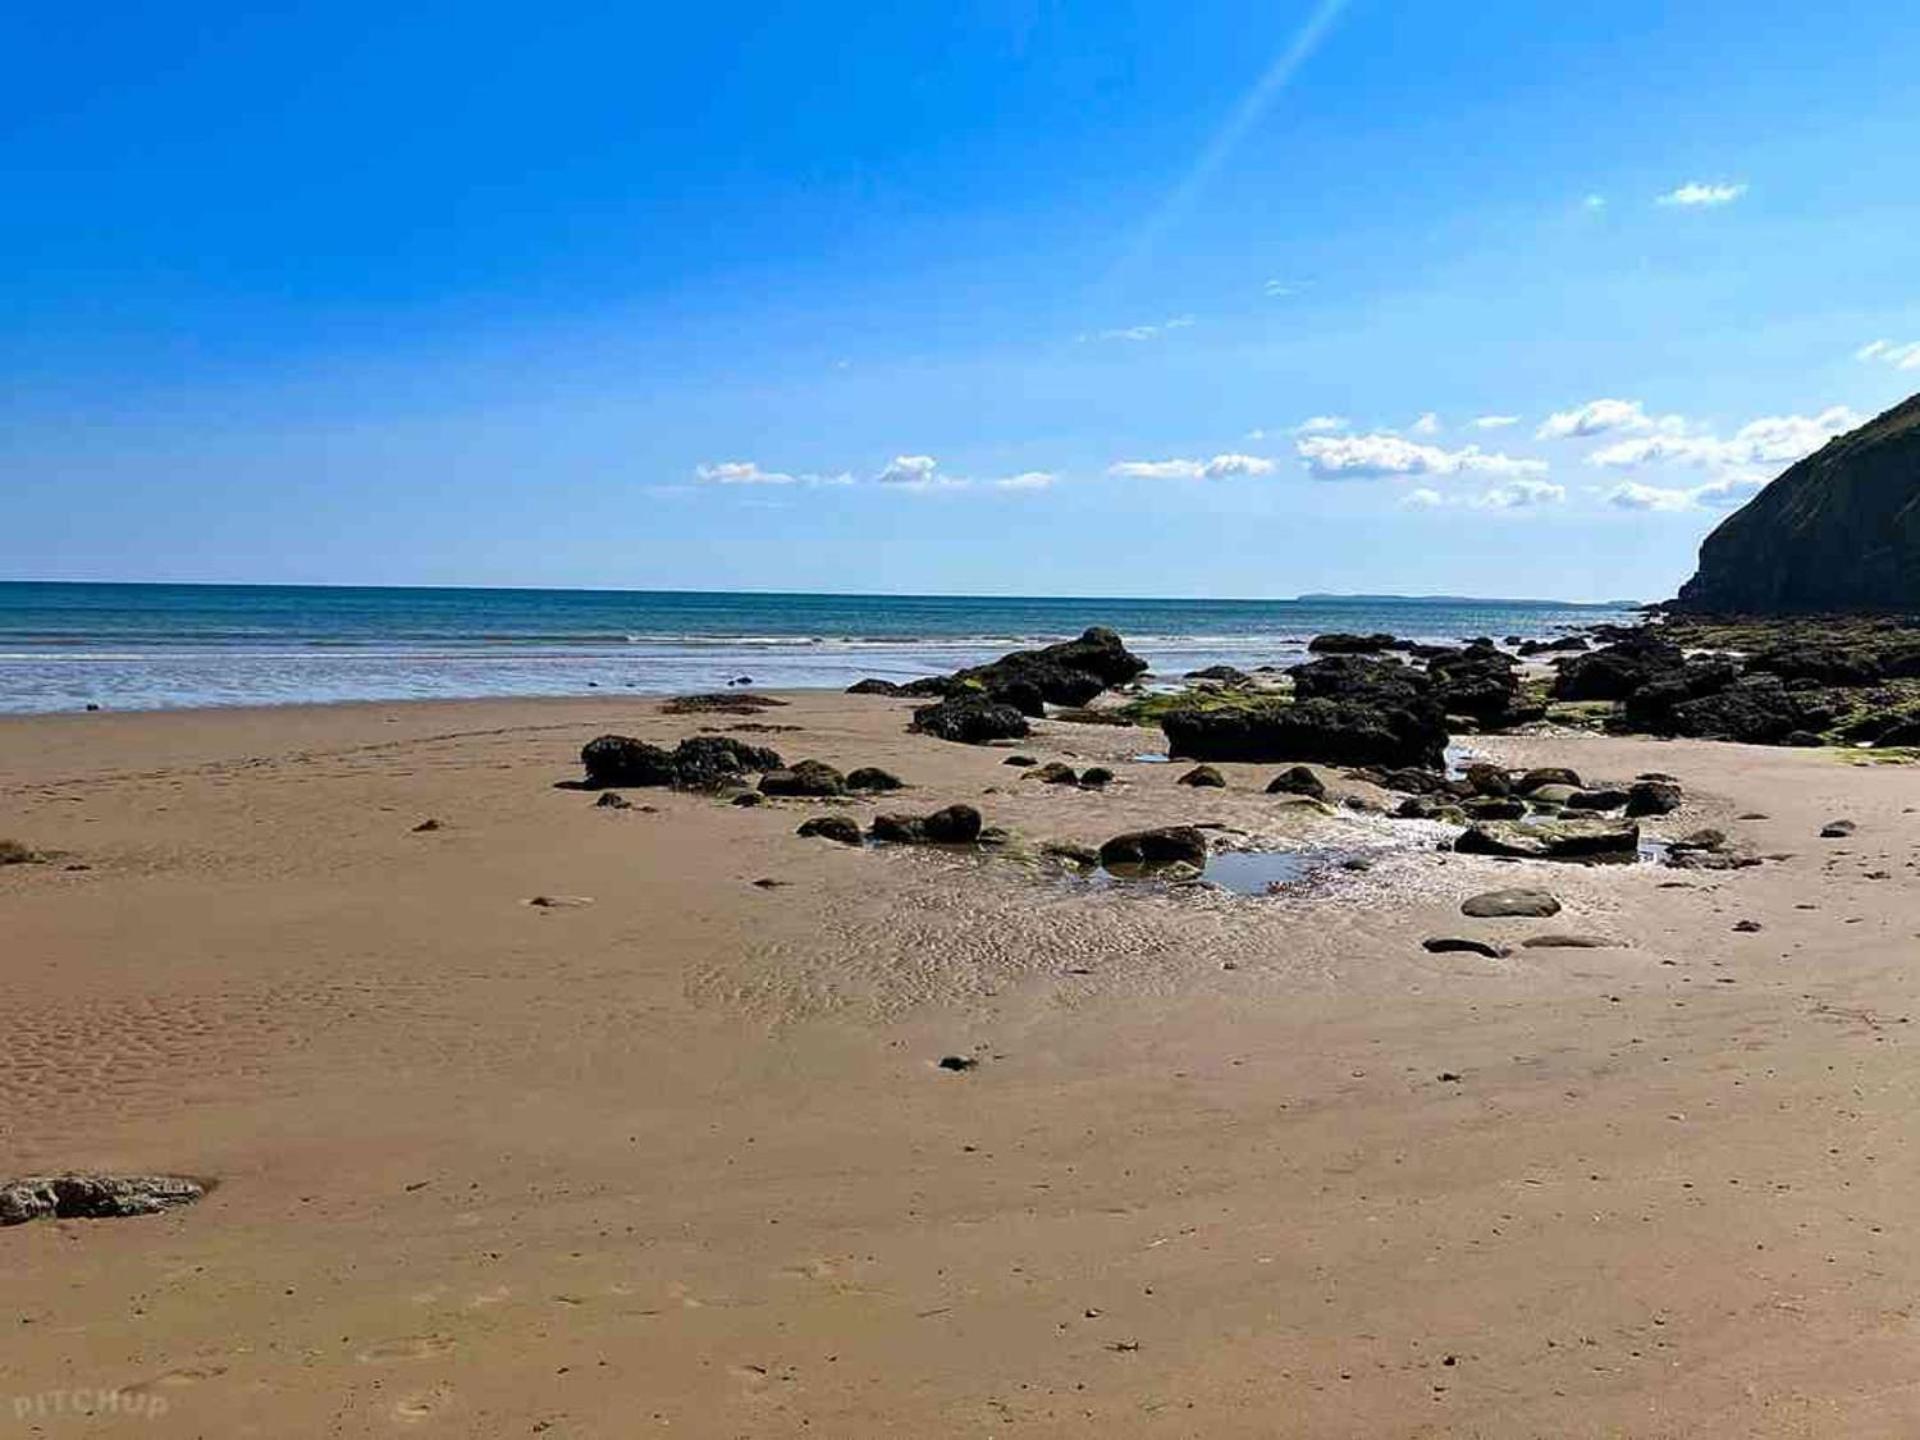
{"x": 1731, "y": 492}
{"x": 918, "y": 472}
{"x": 742, "y": 472}
{"x": 1026, "y": 480}
{"x": 1900, "y": 357}
{"x": 1494, "y": 422}
{"x": 1594, "y": 203}
{"x": 1601, "y": 417}
{"x": 1632, "y": 495}
{"x": 1145, "y": 332}
{"x": 1422, "y": 499}
{"x": 1696, "y": 194}
{"x": 1321, "y": 425}
{"x": 1427, "y": 424}
{"x": 1278, "y": 289}
{"x": 1519, "y": 494}
{"x": 1220, "y": 467}
{"x": 1773, "y": 440}
{"x": 1371, "y": 457}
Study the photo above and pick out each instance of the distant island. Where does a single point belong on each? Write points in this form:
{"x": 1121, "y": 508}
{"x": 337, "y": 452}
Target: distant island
{"x": 1319, "y": 597}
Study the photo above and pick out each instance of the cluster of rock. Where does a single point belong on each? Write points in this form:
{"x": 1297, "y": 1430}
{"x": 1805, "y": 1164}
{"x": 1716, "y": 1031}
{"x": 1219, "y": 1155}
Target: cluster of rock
{"x": 954, "y": 825}
{"x": 719, "y": 762}
{"x": 995, "y": 701}
{"x": 1349, "y": 708}
{"x": 1800, "y": 685}
{"x": 93, "y": 1197}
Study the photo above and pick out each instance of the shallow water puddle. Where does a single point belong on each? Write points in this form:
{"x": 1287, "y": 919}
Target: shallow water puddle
{"x": 1240, "y": 872}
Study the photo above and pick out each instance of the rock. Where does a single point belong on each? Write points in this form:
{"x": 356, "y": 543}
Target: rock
{"x": 970, "y": 720}
{"x": 1221, "y": 675}
{"x": 1297, "y": 780}
{"x": 1489, "y": 780}
{"x": 1455, "y": 944}
{"x": 1703, "y": 839}
{"x": 1511, "y": 904}
{"x": 957, "y": 1062}
{"x": 1427, "y": 807}
{"x": 1070, "y": 673}
{"x": 1546, "y": 775}
{"x": 1834, "y": 533}
{"x": 1653, "y": 797}
{"x": 1080, "y": 857}
{"x": 1054, "y": 773}
{"x": 1321, "y": 730}
{"x": 1571, "y": 942}
{"x": 622, "y": 760}
{"x": 840, "y": 828}
{"x": 1553, "y": 795}
{"x": 871, "y": 778}
{"x": 1747, "y": 927}
{"x": 747, "y": 798}
{"x": 1095, "y": 776}
{"x": 701, "y": 762}
{"x": 872, "y": 686}
{"x": 1804, "y": 739}
{"x": 1753, "y": 710}
{"x": 1616, "y": 671}
{"x": 560, "y": 902}
{"x": 1340, "y": 643}
{"x": 1021, "y": 762}
{"x": 1605, "y": 798}
{"x": 94, "y": 1197}
{"x": 1483, "y": 684}
{"x": 1204, "y": 777}
{"x": 1487, "y": 807}
{"x": 1175, "y": 844}
{"x": 1584, "y": 839}
{"x": 613, "y": 800}
{"x": 994, "y": 836}
{"x": 1837, "y": 829}
{"x": 12, "y": 852}
{"x": 955, "y": 825}
{"x": 806, "y": 777}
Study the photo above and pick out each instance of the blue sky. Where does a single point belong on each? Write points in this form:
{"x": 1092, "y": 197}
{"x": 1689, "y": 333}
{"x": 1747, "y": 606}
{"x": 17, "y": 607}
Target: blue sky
{"x": 1015, "y": 296}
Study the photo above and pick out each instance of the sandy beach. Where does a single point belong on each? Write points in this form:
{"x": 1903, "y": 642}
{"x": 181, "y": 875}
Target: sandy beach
{"x": 681, "y": 1159}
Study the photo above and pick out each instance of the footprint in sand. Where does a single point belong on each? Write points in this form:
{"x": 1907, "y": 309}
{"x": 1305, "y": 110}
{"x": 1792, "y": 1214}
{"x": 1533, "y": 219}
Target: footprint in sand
{"x": 499, "y": 1295}
{"x": 410, "y": 1347}
{"x": 423, "y": 1406}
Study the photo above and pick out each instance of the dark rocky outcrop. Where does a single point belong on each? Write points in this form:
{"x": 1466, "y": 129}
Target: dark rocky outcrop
{"x": 1616, "y": 671}
{"x": 1297, "y": 780}
{"x": 1653, "y": 797}
{"x": 1839, "y": 531}
{"x": 970, "y": 719}
{"x": 701, "y": 762}
{"x": 1069, "y": 673}
{"x": 1341, "y": 643}
{"x": 1328, "y": 732}
{"x": 1204, "y": 777}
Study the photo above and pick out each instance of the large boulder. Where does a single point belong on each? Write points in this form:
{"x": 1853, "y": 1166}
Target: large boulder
{"x": 806, "y": 777}
{"x": 1321, "y": 731}
{"x": 1583, "y": 840}
{"x": 1756, "y": 710}
{"x": 622, "y": 760}
{"x": 955, "y": 825}
{"x": 1839, "y": 531}
{"x": 1069, "y": 673}
{"x": 970, "y": 719}
{"x": 701, "y": 762}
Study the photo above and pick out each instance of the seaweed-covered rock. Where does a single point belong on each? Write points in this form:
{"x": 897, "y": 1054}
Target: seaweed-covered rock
{"x": 805, "y": 777}
{"x": 873, "y": 686}
{"x": 839, "y": 828}
{"x": 1069, "y": 673}
{"x": 93, "y": 1197}
{"x": 872, "y": 778}
{"x": 1172, "y": 845}
{"x": 1340, "y": 643}
{"x": 622, "y": 760}
{"x": 1616, "y": 671}
{"x": 1226, "y": 675}
{"x": 1653, "y": 797}
{"x": 1054, "y": 772}
{"x": 701, "y": 762}
{"x": 955, "y": 825}
{"x": 1321, "y": 730}
{"x": 1603, "y": 797}
{"x": 1542, "y": 775}
{"x": 970, "y": 720}
{"x": 1095, "y": 776}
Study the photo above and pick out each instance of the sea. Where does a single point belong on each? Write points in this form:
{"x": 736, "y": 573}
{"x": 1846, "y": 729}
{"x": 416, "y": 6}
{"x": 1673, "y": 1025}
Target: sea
{"x": 65, "y": 646}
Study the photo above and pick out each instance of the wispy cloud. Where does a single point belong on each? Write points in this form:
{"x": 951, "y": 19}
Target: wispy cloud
{"x": 1423, "y": 499}
{"x": 1697, "y": 194}
{"x": 1379, "y": 456}
{"x": 917, "y": 472}
{"x": 1026, "y": 480}
{"x": 1520, "y": 495}
{"x": 1632, "y": 495}
{"x": 1144, "y": 332}
{"x": 1593, "y": 204}
{"x": 742, "y": 472}
{"x": 1427, "y": 424}
{"x": 1602, "y": 417}
{"x": 1279, "y": 289}
{"x": 1220, "y": 467}
{"x": 1885, "y": 352}
{"x": 1322, "y": 425}
{"x": 1494, "y": 422}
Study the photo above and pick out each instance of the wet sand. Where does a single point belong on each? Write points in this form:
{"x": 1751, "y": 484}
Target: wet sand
{"x": 681, "y": 1159}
